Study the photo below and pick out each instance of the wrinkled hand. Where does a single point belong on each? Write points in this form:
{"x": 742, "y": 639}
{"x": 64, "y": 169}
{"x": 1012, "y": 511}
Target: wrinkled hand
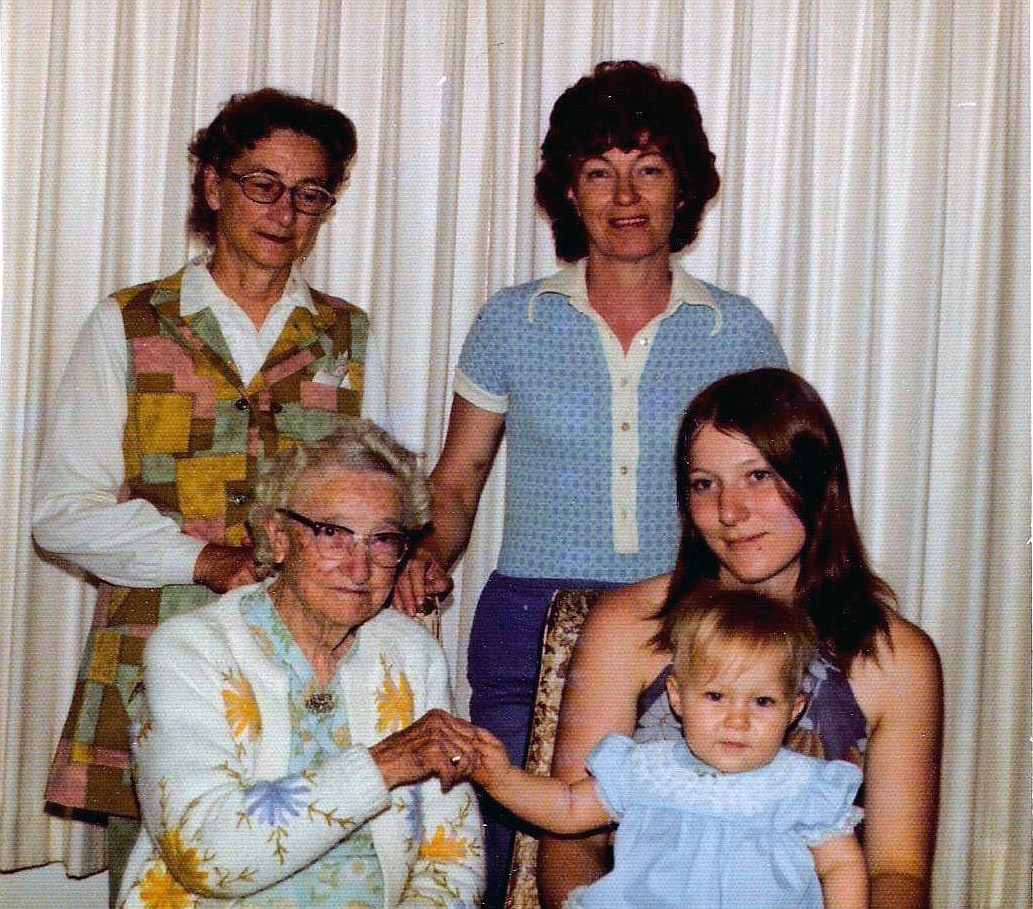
{"x": 437, "y": 744}
{"x": 420, "y": 582}
{"x": 221, "y": 568}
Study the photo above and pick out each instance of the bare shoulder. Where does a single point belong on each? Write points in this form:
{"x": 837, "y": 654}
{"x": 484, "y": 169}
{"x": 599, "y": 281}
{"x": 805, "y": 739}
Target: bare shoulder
{"x": 620, "y": 627}
{"x": 909, "y": 649}
{"x": 634, "y": 602}
{"x": 628, "y": 610}
{"x": 905, "y": 671}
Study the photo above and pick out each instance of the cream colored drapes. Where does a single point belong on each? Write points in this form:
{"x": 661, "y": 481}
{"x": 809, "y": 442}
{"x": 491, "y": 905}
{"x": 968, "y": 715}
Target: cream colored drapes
{"x": 875, "y": 203}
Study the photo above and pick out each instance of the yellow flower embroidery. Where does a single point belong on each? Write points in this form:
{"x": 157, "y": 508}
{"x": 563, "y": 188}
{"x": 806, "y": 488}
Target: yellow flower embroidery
{"x": 159, "y": 890}
{"x": 242, "y": 714}
{"x": 443, "y": 847}
{"x": 185, "y": 862}
{"x": 394, "y": 702}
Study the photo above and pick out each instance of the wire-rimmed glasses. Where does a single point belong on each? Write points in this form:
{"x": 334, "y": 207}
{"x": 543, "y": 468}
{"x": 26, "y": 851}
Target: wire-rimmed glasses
{"x": 308, "y": 198}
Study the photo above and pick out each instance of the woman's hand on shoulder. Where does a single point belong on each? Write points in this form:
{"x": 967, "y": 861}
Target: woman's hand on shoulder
{"x": 901, "y": 693}
{"x": 421, "y": 583}
{"x": 221, "y": 568}
{"x": 456, "y": 484}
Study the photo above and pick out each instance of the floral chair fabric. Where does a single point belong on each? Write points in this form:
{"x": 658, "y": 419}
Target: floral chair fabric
{"x": 566, "y": 615}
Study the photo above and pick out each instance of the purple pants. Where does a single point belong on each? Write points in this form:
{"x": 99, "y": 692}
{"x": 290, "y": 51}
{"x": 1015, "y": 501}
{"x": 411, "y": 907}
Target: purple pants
{"x": 502, "y": 668}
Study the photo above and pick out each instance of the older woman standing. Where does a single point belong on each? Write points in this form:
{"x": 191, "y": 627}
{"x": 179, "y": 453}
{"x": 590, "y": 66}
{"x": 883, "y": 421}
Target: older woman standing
{"x": 175, "y": 393}
{"x": 294, "y": 732}
{"x": 587, "y": 372}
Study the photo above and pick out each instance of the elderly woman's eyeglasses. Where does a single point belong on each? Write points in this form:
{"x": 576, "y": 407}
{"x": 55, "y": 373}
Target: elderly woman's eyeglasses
{"x": 385, "y": 548}
{"x": 307, "y": 198}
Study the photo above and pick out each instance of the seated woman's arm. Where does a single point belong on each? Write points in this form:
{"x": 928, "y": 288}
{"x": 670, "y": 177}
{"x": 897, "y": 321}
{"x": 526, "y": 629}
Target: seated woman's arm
{"x": 903, "y": 696}
{"x": 220, "y": 825}
{"x": 218, "y": 828}
{"x": 449, "y": 867}
{"x": 611, "y": 666}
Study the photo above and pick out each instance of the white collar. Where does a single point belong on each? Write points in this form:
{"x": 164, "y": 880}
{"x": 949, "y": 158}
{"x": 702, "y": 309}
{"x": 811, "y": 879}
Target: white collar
{"x": 571, "y": 282}
{"x": 199, "y": 291}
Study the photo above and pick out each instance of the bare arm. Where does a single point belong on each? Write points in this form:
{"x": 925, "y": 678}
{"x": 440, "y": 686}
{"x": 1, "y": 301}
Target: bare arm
{"x": 456, "y": 484}
{"x": 543, "y": 801}
{"x": 611, "y": 666}
{"x": 839, "y": 863}
{"x": 903, "y": 698}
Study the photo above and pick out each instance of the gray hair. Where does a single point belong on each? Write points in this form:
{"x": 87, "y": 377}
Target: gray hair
{"x": 355, "y": 445}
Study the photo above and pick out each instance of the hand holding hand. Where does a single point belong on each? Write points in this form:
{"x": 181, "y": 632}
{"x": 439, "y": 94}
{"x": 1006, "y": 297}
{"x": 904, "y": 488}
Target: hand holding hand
{"x": 493, "y": 759}
{"x": 437, "y": 744}
{"x": 420, "y": 583}
{"x": 222, "y": 568}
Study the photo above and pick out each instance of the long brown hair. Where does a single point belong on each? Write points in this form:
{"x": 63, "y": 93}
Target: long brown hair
{"x": 785, "y": 418}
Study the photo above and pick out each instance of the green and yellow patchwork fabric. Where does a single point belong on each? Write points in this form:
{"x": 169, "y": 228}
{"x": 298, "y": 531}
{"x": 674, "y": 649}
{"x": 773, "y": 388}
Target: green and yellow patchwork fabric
{"x": 194, "y": 439}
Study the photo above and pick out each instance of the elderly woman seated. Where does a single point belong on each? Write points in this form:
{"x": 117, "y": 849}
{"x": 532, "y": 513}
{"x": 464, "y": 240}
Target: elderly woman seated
{"x": 293, "y": 746}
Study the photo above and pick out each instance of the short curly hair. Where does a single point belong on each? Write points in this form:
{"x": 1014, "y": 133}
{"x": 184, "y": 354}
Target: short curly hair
{"x": 248, "y": 118}
{"x": 624, "y": 105}
{"x": 355, "y": 445}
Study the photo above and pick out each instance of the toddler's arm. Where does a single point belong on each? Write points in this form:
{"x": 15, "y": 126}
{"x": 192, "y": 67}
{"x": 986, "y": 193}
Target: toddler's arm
{"x": 841, "y": 869}
{"x": 541, "y": 800}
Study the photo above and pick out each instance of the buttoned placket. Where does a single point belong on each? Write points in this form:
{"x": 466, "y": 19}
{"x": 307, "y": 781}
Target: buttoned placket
{"x": 625, "y": 373}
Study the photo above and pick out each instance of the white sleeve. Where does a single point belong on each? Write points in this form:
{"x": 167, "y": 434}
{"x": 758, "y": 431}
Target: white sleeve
{"x": 449, "y": 865}
{"x": 76, "y": 512}
{"x": 221, "y": 831}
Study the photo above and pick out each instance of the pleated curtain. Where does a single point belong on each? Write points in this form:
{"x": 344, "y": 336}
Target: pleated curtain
{"x": 875, "y": 204}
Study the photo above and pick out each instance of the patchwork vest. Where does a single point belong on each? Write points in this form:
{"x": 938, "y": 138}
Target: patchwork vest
{"x": 194, "y": 439}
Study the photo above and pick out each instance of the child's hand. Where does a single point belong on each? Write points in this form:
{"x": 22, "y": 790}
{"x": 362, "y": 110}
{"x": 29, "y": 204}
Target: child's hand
{"x": 493, "y": 759}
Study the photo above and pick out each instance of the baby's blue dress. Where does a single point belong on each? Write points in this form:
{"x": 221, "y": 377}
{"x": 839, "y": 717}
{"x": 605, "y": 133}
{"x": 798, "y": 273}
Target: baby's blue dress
{"x": 691, "y": 837}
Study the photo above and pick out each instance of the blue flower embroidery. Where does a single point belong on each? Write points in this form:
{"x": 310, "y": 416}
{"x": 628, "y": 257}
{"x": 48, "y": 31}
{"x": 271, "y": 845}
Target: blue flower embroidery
{"x": 275, "y": 801}
{"x": 414, "y": 815}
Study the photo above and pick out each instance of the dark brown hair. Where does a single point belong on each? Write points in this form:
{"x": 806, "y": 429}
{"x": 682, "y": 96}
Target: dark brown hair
{"x": 785, "y": 418}
{"x": 245, "y": 120}
{"x": 624, "y": 105}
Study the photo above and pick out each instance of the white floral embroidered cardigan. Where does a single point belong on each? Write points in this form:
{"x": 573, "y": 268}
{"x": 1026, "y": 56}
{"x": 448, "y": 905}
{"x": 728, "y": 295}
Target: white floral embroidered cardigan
{"x": 212, "y": 745}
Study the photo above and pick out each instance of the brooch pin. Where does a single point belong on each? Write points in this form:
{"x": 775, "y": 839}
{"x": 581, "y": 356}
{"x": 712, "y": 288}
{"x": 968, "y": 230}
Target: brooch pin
{"x": 321, "y": 702}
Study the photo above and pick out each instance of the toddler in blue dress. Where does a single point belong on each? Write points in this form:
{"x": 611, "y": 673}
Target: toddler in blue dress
{"x": 727, "y": 819}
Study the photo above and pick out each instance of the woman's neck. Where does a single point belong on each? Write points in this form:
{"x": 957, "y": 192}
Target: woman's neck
{"x": 322, "y": 643}
{"x": 628, "y": 295}
{"x": 254, "y": 290}
{"x": 781, "y": 588}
